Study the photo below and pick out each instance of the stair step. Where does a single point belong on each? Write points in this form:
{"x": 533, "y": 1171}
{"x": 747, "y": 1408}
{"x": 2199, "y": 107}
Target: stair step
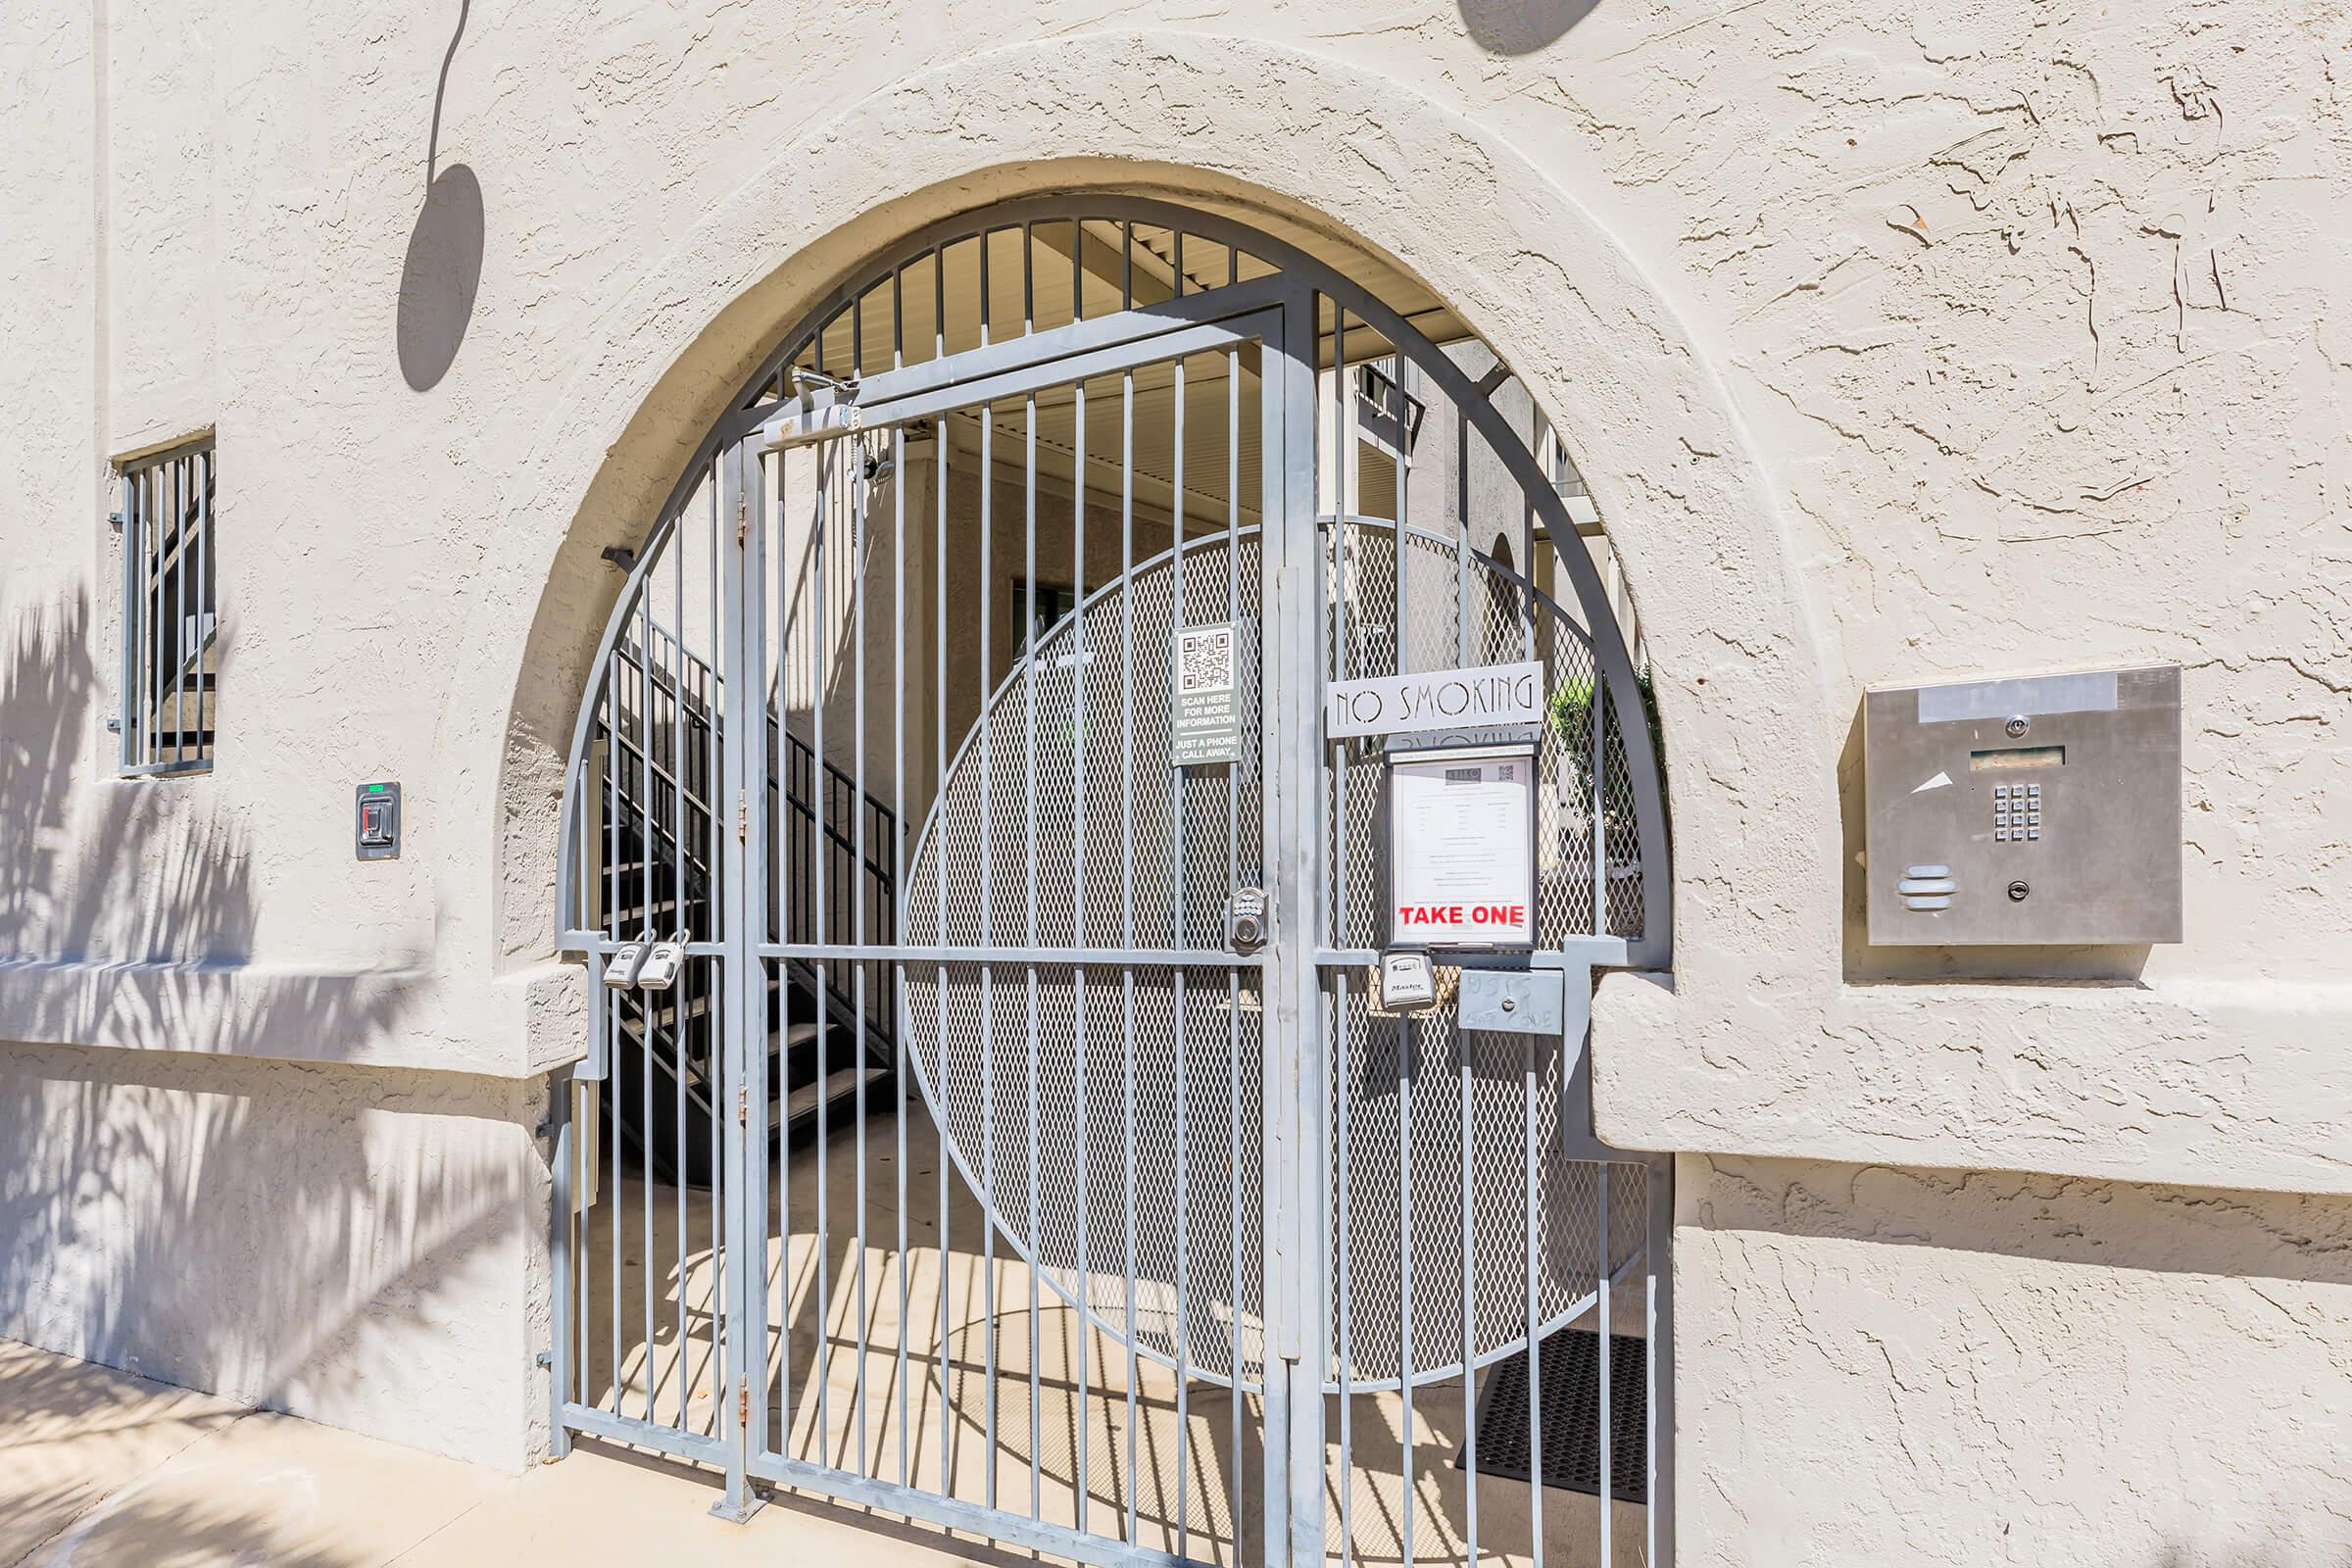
{"x": 839, "y": 1084}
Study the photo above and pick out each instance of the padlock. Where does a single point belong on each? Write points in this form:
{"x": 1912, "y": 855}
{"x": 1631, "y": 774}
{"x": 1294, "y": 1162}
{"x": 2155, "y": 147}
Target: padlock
{"x": 661, "y": 968}
{"x": 620, "y": 970}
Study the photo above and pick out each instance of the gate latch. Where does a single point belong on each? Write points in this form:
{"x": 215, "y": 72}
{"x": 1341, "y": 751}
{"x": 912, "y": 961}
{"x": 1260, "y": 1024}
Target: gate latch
{"x": 1246, "y": 920}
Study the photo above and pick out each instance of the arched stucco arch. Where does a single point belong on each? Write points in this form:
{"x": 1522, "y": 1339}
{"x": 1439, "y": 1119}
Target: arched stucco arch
{"x": 1302, "y": 147}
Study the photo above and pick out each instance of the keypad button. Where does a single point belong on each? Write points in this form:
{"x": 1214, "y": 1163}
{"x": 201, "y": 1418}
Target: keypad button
{"x": 2033, "y": 833}
{"x": 2035, "y": 790}
{"x": 2000, "y": 835}
{"x": 2000, "y": 792}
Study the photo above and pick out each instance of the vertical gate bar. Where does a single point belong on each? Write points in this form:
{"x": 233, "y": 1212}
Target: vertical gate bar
{"x": 1461, "y": 550}
{"x": 1288, "y": 493}
{"x": 988, "y": 922}
{"x": 648, "y": 855}
{"x": 610, "y": 1107}
{"x": 1029, "y": 797}
{"x": 758, "y": 920}
{"x": 831, "y": 456}
{"x": 1469, "y": 1303}
{"x": 1345, "y": 1155}
{"x": 157, "y": 639}
{"x": 738, "y": 1276}
{"x": 856, "y": 481}
{"x": 939, "y": 882}
{"x": 1409, "y": 1064}
{"x": 205, "y": 697}
{"x": 1181, "y": 938}
{"x": 1233, "y": 976}
{"x": 677, "y": 550}
{"x": 1535, "y": 1346}
{"x": 1607, "y": 1347}
{"x": 903, "y": 1397}
{"x": 721, "y": 1011}
{"x": 1658, "y": 1308}
{"x": 562, "y": 1262}
{"x": 1078, "y": 668}
{"x": 1342, "y": 666}
{"x": 1597, "y": 727}
{"x": 1127, "y": 876}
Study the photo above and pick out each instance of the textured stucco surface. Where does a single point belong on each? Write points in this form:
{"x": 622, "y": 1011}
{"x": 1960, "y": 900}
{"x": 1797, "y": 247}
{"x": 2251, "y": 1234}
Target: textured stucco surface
{"x": 2000, "y": 1368}
{"x": 1979, "y": 335}
{"x": 362, "y": 1248}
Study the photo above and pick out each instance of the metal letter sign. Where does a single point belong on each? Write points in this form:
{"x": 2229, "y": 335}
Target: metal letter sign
{"x": 1443, "y": 699}
{"x": 1205, "y": 730}
{"x": 1461, "y": 847}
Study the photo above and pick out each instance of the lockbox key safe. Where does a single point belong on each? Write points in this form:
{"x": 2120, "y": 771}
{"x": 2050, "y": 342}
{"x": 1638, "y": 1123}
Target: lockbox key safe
{"x": 375, "y": 821}
{"x": 2038, "y": 810}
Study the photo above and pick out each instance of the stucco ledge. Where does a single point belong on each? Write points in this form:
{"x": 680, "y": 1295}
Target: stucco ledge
{"x": 518, "y": 1024}
{"x": 2200, "y": 1084}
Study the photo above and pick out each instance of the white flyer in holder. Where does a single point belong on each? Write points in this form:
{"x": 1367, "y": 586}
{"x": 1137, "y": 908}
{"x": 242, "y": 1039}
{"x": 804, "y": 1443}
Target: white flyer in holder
{"x": 1461, "y": 847}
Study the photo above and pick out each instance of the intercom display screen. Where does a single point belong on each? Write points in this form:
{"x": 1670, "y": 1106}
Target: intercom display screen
{"x": 2017, "y": 758}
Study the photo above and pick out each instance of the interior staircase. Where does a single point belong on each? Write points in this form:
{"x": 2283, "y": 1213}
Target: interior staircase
{"x": 663, "y": 1103}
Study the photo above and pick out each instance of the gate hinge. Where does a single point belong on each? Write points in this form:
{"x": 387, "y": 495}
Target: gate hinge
{"x": 743, "y": 1105}
{"x": 743, "y": 816}
{"x": 743, "y": 521}
{"x": 742, "y": 1404}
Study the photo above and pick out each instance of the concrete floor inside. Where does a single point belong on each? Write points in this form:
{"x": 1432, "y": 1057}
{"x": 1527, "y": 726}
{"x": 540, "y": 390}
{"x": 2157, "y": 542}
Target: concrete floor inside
{"x": 860, "y": 1384}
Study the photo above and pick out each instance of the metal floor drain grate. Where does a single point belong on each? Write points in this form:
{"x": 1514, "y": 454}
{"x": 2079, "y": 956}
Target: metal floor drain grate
{"x": 1572, "y": 1418}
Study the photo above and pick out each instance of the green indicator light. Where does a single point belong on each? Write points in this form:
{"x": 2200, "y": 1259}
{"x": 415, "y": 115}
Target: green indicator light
{"x": 379, "y": 789}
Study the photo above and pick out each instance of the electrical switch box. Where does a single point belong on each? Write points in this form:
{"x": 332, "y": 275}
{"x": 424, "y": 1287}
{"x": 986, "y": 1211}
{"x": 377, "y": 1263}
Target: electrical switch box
{"x": 375, "y": 828}
{"x": 2038, "y": 810}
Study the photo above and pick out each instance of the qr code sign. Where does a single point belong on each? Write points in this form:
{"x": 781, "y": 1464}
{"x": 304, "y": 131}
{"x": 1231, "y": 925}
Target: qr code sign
{"x": 1203, "y": 659}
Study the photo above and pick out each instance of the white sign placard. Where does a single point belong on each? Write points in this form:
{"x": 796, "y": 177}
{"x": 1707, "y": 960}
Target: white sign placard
{"x": 1462, "y": 849}
{"x": 1203, "y": 727}
{"x": 1441, "y": 699}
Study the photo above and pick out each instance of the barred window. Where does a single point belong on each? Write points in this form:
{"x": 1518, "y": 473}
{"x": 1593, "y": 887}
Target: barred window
{"x": 171, "y": 653}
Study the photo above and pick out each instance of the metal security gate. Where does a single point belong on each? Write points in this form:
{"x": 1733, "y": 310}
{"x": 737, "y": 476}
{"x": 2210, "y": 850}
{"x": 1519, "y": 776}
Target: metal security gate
{"x": 984, "y": 1162}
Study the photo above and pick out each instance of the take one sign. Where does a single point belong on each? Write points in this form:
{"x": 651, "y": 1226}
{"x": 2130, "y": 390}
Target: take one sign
{"x": 1461, "y": 847}
{"x": 1441, "y": 699}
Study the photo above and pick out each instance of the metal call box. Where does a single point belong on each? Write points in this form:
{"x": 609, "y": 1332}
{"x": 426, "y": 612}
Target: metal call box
{"x": 2038, "y": 811}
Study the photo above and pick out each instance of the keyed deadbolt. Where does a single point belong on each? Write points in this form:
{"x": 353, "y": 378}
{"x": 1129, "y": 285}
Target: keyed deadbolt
{"x": 1246, "y": 919}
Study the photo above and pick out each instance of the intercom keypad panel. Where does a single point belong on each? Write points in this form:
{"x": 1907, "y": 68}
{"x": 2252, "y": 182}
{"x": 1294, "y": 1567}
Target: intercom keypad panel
{"x": 2039, "y": 810}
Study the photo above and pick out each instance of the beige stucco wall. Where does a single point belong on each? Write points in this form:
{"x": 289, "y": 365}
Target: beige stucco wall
{"x": 1902, "y": 1366}
{"x": 1891, "y": 344}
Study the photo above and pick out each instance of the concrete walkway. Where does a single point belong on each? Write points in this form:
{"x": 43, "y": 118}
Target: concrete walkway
{"x": 99, "y": 1468}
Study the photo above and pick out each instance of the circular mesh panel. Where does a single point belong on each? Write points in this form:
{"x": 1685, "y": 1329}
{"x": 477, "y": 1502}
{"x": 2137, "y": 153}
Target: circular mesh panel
{"x": 1097, "y": 1155}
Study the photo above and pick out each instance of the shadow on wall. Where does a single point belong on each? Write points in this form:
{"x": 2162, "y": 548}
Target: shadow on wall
{"x": 291, "y": 1234}
{"x": 444, "y": 266}
{"x": 1522, "y": 26}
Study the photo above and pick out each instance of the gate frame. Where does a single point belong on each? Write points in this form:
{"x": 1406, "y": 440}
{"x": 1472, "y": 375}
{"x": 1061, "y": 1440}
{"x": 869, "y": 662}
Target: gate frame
{"x": 1292, "y": 665}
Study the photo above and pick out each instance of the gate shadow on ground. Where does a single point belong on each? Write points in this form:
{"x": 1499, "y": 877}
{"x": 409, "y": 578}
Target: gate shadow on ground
{"x": 285, "y": 1233}
{"x": 950, "y": 1351}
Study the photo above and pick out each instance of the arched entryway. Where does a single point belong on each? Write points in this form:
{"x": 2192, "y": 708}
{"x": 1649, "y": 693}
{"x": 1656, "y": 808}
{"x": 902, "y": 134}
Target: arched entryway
{"x": 1023, "y": 1142}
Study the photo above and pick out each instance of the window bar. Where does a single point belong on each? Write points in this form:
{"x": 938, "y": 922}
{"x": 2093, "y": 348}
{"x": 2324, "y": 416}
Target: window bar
{"x": 1127, "y": 878}
{"x": 183, "y": 470}
{"x": 157, "y": 646}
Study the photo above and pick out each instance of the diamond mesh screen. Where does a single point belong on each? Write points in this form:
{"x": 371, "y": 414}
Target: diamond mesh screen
{"x": 1045, "y": 1077}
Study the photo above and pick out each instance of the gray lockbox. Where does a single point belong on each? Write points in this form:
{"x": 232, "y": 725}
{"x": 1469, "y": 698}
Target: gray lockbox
{"x": 375, "y": 821}
{"x": 2037, "y": 810}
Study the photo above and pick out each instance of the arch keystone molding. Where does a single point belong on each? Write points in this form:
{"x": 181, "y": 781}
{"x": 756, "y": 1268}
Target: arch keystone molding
{"x": 1754, "y": 1045}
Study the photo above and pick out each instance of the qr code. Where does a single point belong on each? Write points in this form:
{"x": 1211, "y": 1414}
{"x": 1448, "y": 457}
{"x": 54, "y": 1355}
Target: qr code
{"x": 1204, "y": 658}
